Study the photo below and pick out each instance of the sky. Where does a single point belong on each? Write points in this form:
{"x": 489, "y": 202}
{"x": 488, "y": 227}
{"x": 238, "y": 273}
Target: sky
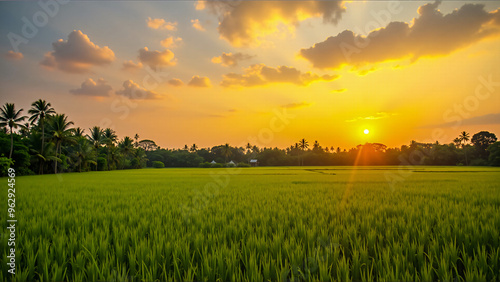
{"x": 268, "y": 73}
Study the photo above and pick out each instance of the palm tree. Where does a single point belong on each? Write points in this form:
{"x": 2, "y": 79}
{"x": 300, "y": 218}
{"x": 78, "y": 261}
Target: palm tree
{"x": 464, "y": 138}
{"x": 97, "y": 139}
{"x": 39, "y": 111}
{"x": 83, "y": 152}
{"x": 248, "y": 147}
{"x": 11, "y": 118}
{"x": 109, "y": 139}
{"x": 126, "y": 146}
{"x": 60, "y": 131}
{"x": 226, "y": 151}
{"x": 79, "y": 132}
{"x": 136, "y": 137}
{"x": 25, "y": 130}
{"x": 303, "y": 145}
{"x": 193, "y": 148}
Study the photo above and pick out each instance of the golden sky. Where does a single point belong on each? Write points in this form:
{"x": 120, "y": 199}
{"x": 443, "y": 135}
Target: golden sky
{"x": 268, "y": 73}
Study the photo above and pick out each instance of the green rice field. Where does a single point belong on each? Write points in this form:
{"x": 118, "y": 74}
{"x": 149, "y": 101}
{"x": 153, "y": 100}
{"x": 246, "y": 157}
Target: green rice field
{"x": 257, "y": 224}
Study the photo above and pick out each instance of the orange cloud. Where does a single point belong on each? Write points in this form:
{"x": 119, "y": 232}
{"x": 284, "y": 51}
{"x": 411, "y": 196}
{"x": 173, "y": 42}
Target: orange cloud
{"x": 93, "y": 88}
{"x": 132, "y": 90}
{"x": 156, "y": 59}
{"x": 430, "y": 34}
{"x": 197, "y": 81}
{"x": 197, "y": 25}
{"x": 230, "y": 60}
{"x": 245, "y": 23}
{"x": 175, "y": 82}
{"x": 77, "y": 55}
{"x": 379, "y": 115}
{"x": 131, "y": 66}
{"x": 260, "y": 74}
{"x": 161, "y": 24}
{"x": 171, "y": 42}
{"x": 11, "y": 55}
{"x": 296, "y": 105}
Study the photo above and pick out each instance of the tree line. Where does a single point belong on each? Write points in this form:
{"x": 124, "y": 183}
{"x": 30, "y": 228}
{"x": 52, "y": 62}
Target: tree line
{"x": 47, "y": 142}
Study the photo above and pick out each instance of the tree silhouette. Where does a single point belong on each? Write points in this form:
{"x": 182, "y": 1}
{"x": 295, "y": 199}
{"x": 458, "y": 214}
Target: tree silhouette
{"x": 303, "y": 145}
{"x": 96, "y": 137}
{"x": 226, "y": 151}
{"x": 11, "y": 118}
{"x": 463, "y": 138}
{"x": 193, "y": 148}
{"x": 482, "y": 140}
{"x": 136, "y": 138}
{"x": 60, "y": 131}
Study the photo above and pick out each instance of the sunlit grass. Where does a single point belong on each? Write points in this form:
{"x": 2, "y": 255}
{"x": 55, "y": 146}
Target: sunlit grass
{"x": 266, "y": 224}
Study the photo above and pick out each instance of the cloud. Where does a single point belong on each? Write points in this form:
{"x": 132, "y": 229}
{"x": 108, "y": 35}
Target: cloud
{"x": 479, "y": 120}
{"x": 161, "y": 24}
{"x": 379, "y": 115}
{"x": 132, "y": 90}
{"x": 197, "y": 25}
{"x": 198, "y": 81}
{"x": 171, "y": 42}
{"x": 77, "y": 55}
{"x": 296, "y": 105}
{"x": 245, "y": 23}
{"x": 175, "y": 82}
{"x": 339, "y": 90}
{"x": 93, "y": 88}
{"x": 131, "y": 66}
{"x": 156, "y": 59}
{"x": 260, "y": 74}
{"x": 230, "y": 60}
{"x": 430, "y": 34}
{"x": 11, "y": 55}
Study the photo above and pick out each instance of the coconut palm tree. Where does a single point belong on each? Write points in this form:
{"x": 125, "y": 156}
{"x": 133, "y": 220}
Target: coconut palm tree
{"x": 79, "y": 132}
{"x": 11, "y": 118}
{"x": 193, "y": 148}
{"x": 226, "y": 151}
{"x": 39, "y": 111}
{"x": 96, "y": 137}
{"x": 82, "y": 152}
{"x": 60, "y": 131}
{"x": 464, "y": 137}
{"x": 25, "y": 130}
{"x": 136, "y": 138}
{"x": 303, "y": 145}
{"x": 109, "y": 139}
{"x": 126, "y": 146}
{"x": 248, "y": 147}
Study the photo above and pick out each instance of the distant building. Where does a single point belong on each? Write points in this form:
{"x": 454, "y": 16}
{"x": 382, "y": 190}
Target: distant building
{"x": 213, "y": 162}
{"x": 231, "y": 163}
{"x": 254, "y": 162}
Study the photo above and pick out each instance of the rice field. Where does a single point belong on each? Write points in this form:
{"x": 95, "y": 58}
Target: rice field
{"x": 257, "y": 224}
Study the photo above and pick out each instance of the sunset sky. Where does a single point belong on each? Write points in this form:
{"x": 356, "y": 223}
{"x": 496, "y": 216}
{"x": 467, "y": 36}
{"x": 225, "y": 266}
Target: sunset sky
{"x": 184, "y": 72}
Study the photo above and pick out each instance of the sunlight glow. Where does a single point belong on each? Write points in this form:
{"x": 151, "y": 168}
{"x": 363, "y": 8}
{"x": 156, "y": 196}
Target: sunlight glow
{"x": 366, "y": 131}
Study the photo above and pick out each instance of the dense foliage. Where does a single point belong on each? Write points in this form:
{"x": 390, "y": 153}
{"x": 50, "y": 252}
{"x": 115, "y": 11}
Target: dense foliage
{"x": 50, "y": 143}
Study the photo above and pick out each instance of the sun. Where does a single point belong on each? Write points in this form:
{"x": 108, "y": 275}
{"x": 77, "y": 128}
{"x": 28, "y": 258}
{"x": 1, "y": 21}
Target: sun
{"x": 366, "y": 131}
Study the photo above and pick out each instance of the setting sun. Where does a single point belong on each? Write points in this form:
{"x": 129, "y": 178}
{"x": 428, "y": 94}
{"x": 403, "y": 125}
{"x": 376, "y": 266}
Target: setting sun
{"x": 366, "y": 131}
